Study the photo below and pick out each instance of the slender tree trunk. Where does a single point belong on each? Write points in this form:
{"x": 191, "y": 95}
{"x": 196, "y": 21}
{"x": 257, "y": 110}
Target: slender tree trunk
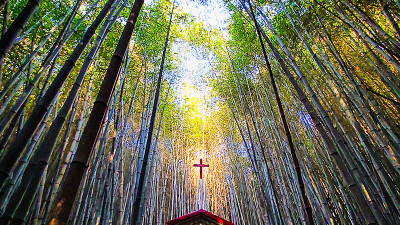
{"x": 17, "y": 76}
{"x": 3, "y": 31}
{"x": 306, "y": 201}
{"x": 7, "y": 40}
{"x": 79, "y": 164}
{"x": 138, "y": 198}
{"x": 41, "y": 108}
{"x": 339, "y": 160}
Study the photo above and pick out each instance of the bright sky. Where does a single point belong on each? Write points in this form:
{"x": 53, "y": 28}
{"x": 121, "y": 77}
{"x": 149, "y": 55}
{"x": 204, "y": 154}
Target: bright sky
{"x": 213, "y": 13}
{"x": 194, "y": 68}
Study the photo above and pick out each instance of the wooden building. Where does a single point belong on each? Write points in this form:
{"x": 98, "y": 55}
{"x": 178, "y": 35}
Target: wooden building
{"x": 200, "y": 217}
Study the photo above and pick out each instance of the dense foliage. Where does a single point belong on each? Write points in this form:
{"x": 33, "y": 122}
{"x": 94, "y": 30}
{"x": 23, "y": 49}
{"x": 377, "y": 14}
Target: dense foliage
{"x": 105, "y": 105}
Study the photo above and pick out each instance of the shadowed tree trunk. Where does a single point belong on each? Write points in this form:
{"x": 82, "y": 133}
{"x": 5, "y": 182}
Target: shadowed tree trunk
{"x": 79, "y": 165}
{"x": 140, "y": 185}
{"x": 4, "y": 28}
{"x": 3, "y": 2}
{"x": 7, "y": 40}
{"x": 50, "y": 60}
{"x": 36, "y": 167}
{"x": 348, "y": 177}
{"x": 15, "y": 150}
{"x": 308, "y": 209}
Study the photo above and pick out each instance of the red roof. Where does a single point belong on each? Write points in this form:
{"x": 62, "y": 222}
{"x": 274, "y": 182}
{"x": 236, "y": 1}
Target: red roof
{"x": 200, "y": 212}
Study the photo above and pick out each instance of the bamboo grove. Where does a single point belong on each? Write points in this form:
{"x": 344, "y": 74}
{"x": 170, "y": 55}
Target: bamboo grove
{"x": 294, "y": 104}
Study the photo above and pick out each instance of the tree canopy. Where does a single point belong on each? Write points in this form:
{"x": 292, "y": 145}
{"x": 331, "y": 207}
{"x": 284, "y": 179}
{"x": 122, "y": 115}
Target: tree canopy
{"x": 105, "y": 105}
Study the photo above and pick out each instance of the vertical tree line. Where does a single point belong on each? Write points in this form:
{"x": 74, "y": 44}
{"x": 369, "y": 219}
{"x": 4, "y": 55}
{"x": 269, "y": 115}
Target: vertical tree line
{"x": 296, "y": 110}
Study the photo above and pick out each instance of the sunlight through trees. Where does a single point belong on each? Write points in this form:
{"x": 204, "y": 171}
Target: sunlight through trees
{"x": 106, "y": 105}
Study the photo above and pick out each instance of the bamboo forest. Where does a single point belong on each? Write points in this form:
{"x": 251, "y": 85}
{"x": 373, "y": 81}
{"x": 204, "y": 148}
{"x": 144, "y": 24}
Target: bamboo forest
{"x": 245, "y": 112}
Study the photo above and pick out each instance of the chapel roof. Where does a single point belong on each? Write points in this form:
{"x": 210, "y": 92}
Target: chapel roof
{"x": 199, "y": 214}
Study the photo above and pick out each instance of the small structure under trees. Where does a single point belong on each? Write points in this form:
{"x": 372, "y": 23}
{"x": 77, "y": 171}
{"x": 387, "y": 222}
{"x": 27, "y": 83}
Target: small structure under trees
{"x": 200, "y": 217}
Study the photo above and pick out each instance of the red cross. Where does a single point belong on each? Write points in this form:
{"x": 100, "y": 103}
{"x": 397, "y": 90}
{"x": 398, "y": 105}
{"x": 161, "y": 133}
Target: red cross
{"x": 201, "y": 165}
